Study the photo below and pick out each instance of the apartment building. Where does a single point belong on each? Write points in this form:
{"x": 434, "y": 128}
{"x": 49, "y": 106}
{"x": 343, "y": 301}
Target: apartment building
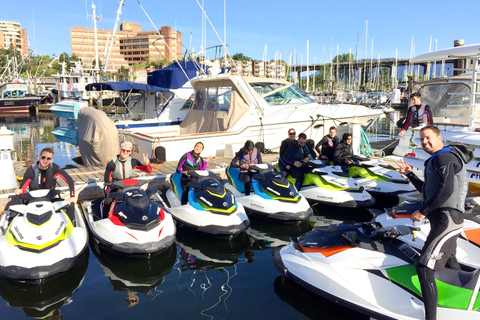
{"x": 12, "y": 34}
{"x": 271, "y": 69}
{"x": 131, "y": 45}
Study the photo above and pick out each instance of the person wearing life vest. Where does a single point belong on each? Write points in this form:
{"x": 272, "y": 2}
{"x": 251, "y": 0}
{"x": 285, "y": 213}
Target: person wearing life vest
{"x": 343, "y": 151}
{"x": 443, "y": 188}
{"x": 43, "y": 175}
{"x": 191, "y": 161}
{"x": 326, "y": 146}
{"x": 244, "y": 158}
{"x": 419, "y": 113}
{"x": 298, "y": 153}
{"x": 123, "y": 165}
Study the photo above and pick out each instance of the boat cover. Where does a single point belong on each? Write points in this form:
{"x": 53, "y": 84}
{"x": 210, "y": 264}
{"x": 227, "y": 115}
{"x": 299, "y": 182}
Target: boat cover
{"x": 173, "y": 77}
{"x": 209, "y": 112}
{"x": 123, "y": 86}
{"x": 97, "y": 137}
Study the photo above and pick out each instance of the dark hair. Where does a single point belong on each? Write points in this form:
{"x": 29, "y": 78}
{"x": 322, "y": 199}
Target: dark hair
{"x": 333, "y": 128}
{"x": 302, "y": 136}
{"x": 47, "y": 149}
{"x": 346, "y": 135}
{"x": 415, "y": 94}
{"x": 249, "y": 145}
{"x": 433, "y": 128}
{"x": 199, "y": 142}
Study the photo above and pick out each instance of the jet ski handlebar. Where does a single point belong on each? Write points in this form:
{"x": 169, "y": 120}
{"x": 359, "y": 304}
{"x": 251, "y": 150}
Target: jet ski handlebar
{"x": 40, "y": 195}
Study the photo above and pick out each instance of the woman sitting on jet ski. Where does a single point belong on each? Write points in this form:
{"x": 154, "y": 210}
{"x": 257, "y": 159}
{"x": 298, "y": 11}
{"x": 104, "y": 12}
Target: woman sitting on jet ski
{"x": 343, "y": 150}
{"x": 244, "y": 158}
{"x": 191, "y": 161}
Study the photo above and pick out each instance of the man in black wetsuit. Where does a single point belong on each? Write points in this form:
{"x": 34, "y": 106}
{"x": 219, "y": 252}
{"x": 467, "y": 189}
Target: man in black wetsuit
{"x": 443, "y": 191}
{"x": 43, "y": 174}
{"x": 298, "y": 153}
{"x": 283, "y": 147}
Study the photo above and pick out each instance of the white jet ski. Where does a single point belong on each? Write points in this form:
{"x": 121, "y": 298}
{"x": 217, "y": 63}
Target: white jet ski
{"x": 380, "y": 179}
{"x": 468, "y": 243}
{"x": 370, "y": 270}
{"x": 273, "y": 197}
{"x": 134, "y": 226}
{"x": 329, "y": 185}
{"x": 210, "y": 210}
{"x": 38, "y": 240}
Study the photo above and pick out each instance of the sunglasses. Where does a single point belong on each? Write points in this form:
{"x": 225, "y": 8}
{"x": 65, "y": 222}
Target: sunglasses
{"x": 127, "y": 151}
{"x": 291, "y": 133}
{"x": 48, "y": 158}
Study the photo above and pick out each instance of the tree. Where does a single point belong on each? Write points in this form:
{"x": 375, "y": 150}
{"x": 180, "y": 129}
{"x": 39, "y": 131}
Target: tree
{"x": 241, "y": 57}
{"x": 345, "y": 57}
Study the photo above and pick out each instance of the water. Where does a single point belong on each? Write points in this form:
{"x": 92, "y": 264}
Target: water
{"x": 198, "y": 278}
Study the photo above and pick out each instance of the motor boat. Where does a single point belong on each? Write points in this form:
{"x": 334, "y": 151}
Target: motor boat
{"x": 380, "y": 179}
{"x": 210, "y": 210}
{"x": 273, "y": 197}
{"x": 134, "y": 226}
{"x": 367, "y": 268}
{"x": 329, "y": 185}
{"x": 39, "y": 240}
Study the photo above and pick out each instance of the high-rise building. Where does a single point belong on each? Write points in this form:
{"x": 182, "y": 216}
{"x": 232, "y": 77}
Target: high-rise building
{"x": 12, "y": 35}
{"x": 131, "y": 45}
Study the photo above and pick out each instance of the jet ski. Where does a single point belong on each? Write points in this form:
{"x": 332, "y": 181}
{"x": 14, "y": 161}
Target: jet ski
{"x": 38, "y": 240}
{"x": 134, "y": 226}
{"x": 273, "y": 198}
{"x": 380, "y": 179}
{"x": 468, "y": 243}
{"x": 42, "y": 300}
{"x": 329, "y": 185}
{"x": 210, "y": 210}
{"x": 366, "y": 268}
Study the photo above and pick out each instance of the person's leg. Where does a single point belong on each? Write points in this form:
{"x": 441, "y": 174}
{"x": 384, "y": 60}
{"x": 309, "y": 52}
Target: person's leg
{"x": 299, "y": 175}
{"x": 245, "y": 178}
{"x": 428, "y": 286}
{"x": 183, "y": 183}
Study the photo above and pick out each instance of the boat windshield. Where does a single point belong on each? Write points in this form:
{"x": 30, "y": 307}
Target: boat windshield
{"x": 280, "y": 93}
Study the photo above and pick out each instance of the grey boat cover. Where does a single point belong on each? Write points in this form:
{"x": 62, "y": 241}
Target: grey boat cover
{"x": 97, "y": 137}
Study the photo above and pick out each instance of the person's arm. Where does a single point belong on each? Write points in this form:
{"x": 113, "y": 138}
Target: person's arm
{"x": 235, "y": 161}
{"x": 450, "y": 165}
{"x": 283, "y": 148}
{"x": 288, "y": 155}
{"x": 259, "y": 157}
{"x": 27, "y": 178}
{"x": 407, "y": 122}
{"x": 109, "y": 171}
{"x": 337, "y": 153}
{"x": 415, "y": 180}
{"x": 136, "y": 164}
{"x": 319, "y": 145}
{"x": 182, "y": 160}
{"x": 59, "y": 172}
{"x": 428, "y": 110}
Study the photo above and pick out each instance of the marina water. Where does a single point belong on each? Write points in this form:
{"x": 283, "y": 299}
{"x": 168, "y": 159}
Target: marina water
{"x": 197, "y": 278}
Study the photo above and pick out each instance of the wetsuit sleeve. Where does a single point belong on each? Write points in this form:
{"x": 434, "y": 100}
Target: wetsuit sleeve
{"x": 416, "y": 181}
{"x": 235, "y": 161}
{"x": 288, "y": 156}
{"x": 27, "y": 178}
{"x": 445, "y": 165}
{"x": 337, "y": 154}
{"x": 319, "y": 145}
{"x": 407, "y": 122}
{"x": 57, "y": 171}
{"x": 109, "y": 171}
{"x": 428, "y": 110}
{"x": 136, "y": 164}
{"x": 180, "y": 164}
{"x": 283, "y": 148}
{"x": 203, "y": 164}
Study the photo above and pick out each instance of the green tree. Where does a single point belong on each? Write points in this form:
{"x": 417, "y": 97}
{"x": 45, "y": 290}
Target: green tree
{"x": 344, "y": 57}
{"x": 241, "y": 57}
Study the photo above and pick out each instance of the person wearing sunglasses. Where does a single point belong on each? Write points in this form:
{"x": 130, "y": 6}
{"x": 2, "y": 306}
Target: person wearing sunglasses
{"x": 123, "y": 165}
{"x": 43, "y": 174}
{"x": 283, "y": 147}
{"x": 191, "y": 161}
{"x": 296, "y": 155}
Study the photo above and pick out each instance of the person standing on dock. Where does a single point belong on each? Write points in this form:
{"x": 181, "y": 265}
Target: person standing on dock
{"x": 296, "y": 155}
{"x": 191, "y": 161}
{"x": 443, "y": 190}
{"x": 43, "y": 174}
{"x": 123, "y": 165}
{"x": 283, "y": 147}
{"x": 244, "y": 158}
{"x": 419, "y": 113}
{"x": 326, "y": 146}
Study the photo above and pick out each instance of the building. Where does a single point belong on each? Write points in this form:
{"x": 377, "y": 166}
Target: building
{"x": 131, "y": 45}
{"x": 271, "y": 69}
{"x": 11, "y": 34}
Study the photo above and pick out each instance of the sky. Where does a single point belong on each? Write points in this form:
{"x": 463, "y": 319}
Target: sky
{"x": 265, "y": 28}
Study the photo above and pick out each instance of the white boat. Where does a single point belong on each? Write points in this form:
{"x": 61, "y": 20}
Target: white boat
{"x": 16, "y": 97}
{"x": 455, "y": 105}
{"x": 230, "y": 109}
